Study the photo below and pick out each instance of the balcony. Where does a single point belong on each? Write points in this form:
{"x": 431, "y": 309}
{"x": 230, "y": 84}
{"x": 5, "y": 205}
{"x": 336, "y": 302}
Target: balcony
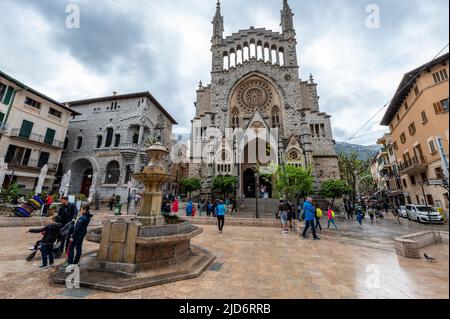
{"x": 37, "y": 139}
{"x": 413, "y": 166}
{"x": 130, "y": 150}
{"x": 32, "y": 165}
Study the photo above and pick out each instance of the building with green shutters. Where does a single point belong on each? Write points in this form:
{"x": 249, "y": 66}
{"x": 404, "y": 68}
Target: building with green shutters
{"x": 33, "y": 128}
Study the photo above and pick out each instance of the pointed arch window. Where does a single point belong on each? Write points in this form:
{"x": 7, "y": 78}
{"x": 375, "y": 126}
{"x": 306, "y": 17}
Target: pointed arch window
{"x": 276, "y": 116}
{"x": 235, "y": 121}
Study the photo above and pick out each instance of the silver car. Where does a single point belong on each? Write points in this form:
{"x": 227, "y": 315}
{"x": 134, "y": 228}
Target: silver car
{"x": 402, "y": 211}
{"x": 423, "y": 213}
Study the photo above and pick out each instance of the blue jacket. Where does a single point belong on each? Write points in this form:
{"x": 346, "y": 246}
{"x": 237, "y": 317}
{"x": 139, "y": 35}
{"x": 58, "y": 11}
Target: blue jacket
{"x": 189, "y": 208}
{"x": 220, "y": 210}
{"x": 309, "y": 211}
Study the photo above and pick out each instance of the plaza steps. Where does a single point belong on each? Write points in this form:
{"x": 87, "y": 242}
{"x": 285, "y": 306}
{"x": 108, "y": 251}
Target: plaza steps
{"x": 267, "y": 208}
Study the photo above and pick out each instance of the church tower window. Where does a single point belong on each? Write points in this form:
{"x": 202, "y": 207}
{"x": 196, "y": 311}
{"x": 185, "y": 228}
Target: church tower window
{"x": 235, "y": 122}
{"x": 276, "y": 116}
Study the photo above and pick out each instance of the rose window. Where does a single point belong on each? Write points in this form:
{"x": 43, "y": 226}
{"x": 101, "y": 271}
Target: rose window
{"x": 255, "y": 95}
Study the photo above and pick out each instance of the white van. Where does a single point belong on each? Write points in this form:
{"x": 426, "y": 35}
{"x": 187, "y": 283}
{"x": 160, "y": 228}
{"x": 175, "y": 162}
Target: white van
{"x": 420, "y": 213}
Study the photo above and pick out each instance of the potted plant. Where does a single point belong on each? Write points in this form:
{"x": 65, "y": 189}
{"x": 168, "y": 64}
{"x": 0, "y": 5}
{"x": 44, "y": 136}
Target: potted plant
{"x": 52, "y": 210}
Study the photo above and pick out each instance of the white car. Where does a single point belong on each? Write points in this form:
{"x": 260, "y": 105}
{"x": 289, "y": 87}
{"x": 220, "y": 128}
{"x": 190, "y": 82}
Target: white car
{"x": 420, "y": 213}
{"x": 402, "y": 211}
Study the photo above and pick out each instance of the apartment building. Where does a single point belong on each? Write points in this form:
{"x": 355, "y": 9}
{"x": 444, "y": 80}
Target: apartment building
{"x": 386, "y": 175}
{"x": 33, "y": 128}
{"x": 418, "y": 119}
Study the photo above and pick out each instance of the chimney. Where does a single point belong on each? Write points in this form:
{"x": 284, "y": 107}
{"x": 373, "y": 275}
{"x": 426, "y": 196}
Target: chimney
{"x": 114, "y": 93}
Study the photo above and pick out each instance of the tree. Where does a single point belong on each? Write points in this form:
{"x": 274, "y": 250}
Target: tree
{"x": 352, "y": 168}
{"x": 190, "y": 185}
{"x": 334, "y": 188}
{"x": 225, "y": 185}
{"x": 293, "y": 182}
{"x": 9, "y": 193}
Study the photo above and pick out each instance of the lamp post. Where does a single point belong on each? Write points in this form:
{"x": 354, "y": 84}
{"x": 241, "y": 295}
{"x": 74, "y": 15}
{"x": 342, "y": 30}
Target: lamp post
{"x": 255, "y": 170}
{"x": 422, "y": 183}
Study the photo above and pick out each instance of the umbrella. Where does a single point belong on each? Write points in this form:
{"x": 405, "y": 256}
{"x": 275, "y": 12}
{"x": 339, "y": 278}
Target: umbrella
{"x": 41, "y": 180}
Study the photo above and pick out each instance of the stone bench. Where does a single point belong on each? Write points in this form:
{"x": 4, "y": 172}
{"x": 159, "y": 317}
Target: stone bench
{"x": 409, "y": 246}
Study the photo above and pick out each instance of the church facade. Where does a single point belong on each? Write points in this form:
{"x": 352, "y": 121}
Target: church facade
{"x": 256, "y": 92}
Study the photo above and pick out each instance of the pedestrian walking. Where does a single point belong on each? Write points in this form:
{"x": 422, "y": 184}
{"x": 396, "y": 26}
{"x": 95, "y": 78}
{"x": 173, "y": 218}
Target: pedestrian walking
{"x": 359, "y": 216}
{"x": 309, "y": 212}
{"x": 189, "y": 208}
{"x": 318, "y": 216}
{"x": 208, "y": 209}
{"x": 371, "y": 214}
{"x": 50, "y": 235}
{"x": 234, "y": 206}
{"x": 112, "y": 201}
{"x": 175, "y": 206}
{"x": 331, "y": 216}
{"x": 76, "y": 240}
{"x": 283, "y": 214}
{"x": 220, "y": 213}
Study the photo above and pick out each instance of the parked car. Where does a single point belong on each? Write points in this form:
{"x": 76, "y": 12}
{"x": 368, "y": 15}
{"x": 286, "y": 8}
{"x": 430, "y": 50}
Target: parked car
{"x": 420, "y": 213}
{"x": 402, "y": 211}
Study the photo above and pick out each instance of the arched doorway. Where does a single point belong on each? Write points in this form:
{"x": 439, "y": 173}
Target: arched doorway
{"x": 86, "y": 182}
{"x": 249, "y": 183}
{"x": 81, "y": 181}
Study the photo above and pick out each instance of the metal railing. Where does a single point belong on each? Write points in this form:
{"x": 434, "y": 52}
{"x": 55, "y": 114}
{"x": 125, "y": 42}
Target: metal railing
{"x": 34, "y": 164}
{"x": 411, "y": 162}
{"x": 37, "y": 138}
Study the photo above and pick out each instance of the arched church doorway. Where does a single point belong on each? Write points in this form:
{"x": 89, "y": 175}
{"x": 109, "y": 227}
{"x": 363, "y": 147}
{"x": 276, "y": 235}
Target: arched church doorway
{"x": 249, "y": 183}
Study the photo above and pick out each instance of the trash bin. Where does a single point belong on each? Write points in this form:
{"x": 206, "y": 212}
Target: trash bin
{"x": 118, "y": 209}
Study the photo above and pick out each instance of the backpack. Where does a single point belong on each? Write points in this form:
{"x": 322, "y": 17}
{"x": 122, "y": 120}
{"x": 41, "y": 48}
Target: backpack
{"x": 319, "y": 213}
{"x": 333, "y": 214}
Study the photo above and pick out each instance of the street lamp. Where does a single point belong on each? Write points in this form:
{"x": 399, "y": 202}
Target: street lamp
{"x": 422, "y": 183}
{"x": 255, "y": 170}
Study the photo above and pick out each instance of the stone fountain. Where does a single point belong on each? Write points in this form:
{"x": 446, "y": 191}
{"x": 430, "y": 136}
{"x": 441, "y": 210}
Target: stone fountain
{"x": 145, "y": 250}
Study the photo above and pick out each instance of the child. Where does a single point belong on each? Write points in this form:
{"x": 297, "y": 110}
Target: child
{"x": 76, "y": 240}
{"x": 50, "y": 234}
{"x": 331, "y": 216}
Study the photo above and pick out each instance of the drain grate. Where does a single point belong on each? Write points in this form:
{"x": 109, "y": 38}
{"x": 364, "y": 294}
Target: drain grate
{"x": 76, "y": 293}
{"x": 215, "y": 267}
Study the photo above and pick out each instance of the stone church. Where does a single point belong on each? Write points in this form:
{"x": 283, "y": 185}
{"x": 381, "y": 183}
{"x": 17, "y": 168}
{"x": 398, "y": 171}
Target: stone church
{"x": 255, "y": 86}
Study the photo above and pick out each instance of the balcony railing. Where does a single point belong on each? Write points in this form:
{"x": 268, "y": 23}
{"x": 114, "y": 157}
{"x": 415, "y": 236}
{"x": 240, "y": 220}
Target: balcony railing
{"x": 37, "y": 138}
{"x": 34, "y": 164}
{"x": 413, "y": 165}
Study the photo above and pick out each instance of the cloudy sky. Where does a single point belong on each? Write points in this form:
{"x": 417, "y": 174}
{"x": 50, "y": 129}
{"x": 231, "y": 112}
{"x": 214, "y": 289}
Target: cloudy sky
{"x": 164, "y": 46}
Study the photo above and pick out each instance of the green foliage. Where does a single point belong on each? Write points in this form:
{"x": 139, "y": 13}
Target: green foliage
{"x": 189, "y": 185}
{"x": 334, "y": 188}
{"x": 55, "y": 197}
{"x": 293, "y": 182}
{"x": 352, "y": 168}
{"x": 225, "y": 184}
{"x": 30, "y": 195}
{"x": 8, "y": 194}
{"x": 81, "y": 197}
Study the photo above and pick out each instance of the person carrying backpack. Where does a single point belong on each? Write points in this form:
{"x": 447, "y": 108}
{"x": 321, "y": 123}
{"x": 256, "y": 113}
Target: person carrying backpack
{"x": 67, "y": 213}
{"x": 319, "y": 214}
{"x": 50, "y": 234}
{"x": 331, "y": 216}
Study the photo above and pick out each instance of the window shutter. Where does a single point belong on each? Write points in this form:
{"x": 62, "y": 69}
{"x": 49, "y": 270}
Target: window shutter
{"x": 8, "y": 95}
{"x": 25, "y": 130}
{"x": 49, "y": 136}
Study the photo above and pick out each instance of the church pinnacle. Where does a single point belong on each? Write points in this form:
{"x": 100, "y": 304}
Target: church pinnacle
{"x": 287, "y": 21}
{"x": 218, "y": 26}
